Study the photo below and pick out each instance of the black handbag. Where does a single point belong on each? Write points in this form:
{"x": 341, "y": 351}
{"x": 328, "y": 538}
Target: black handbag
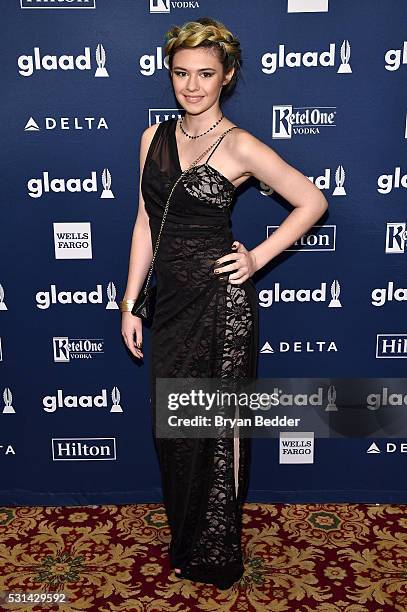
{"x": 144, "y": 305}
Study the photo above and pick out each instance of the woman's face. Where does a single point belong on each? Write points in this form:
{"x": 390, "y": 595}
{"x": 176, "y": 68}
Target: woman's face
{"x": 197, "y": 78}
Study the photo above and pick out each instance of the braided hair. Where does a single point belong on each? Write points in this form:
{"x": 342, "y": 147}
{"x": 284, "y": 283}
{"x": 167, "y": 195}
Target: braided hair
{"x": 212, "y": 34}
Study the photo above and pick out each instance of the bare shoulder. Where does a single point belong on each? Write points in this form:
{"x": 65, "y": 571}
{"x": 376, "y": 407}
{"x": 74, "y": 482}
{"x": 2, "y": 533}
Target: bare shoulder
{"x": 243, "y": 148}
{"x": 245, "y": 142}
{"x": 148, "y": 134}
{"x": 145, "y": 141}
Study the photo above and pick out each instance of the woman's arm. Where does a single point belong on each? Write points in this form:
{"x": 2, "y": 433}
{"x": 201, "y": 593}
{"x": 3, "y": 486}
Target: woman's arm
{"x": 309, "y": 203}
{"x": 141, "y": 251}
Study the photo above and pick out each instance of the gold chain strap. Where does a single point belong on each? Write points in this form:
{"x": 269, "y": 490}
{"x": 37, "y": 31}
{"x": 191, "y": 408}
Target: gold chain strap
{"x": 168, "y": 200}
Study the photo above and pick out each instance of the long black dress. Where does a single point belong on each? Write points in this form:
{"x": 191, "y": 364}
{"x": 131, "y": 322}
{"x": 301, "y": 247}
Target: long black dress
{"x": 203, "y": 326}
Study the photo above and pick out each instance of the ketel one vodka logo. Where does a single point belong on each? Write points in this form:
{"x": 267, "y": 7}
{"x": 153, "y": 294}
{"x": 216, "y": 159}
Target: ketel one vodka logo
{"x": 7, "y": 398}
{"x": 160, "y": 6}
{"x": 38, "y": 186}
{"x": 396, "y": 237}
{"x": 28, "y": 64}
{"x": 289, "y": 121}
{"x": 2, "y": 302}
{"x": 270, "y": 62}
{"x": 52, "y": 402}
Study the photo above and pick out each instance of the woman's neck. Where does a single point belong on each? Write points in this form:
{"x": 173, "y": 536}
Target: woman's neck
{"x": 197, "y": 124}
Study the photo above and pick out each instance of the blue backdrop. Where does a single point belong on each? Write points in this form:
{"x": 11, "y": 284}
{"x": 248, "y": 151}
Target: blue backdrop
{"x": 324, "y": 85}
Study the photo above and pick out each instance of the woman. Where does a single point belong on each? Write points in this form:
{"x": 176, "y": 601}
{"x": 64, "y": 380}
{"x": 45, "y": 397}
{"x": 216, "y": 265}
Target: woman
{"x": 205, "y": 320}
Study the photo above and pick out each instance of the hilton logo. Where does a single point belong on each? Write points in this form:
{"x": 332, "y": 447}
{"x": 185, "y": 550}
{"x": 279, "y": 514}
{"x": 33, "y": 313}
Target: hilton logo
{"x": 84, "y": 449}
{"x": 322, "y": 238}
{"x": 391, "y": 346}
{"x": 157, "y": 115}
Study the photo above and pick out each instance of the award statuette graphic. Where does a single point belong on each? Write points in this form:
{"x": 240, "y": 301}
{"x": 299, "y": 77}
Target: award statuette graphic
{"x": 111, "y": 294}
{"x": 339, "y": 180}
{"x": 8, "y": 408}
{"x": 2, "y": 302}
{"x": 335, "y": 291}
{"x": 106, "y": 182}
{"x": 331, "y": 406}
{"x": 101, "y": 60}
{"x": 345, "y": 57}
{"x": 116, "y": 399}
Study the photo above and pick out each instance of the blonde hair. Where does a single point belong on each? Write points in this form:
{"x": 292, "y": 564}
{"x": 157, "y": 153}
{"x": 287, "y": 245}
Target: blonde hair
{"x": 209, "y": 33}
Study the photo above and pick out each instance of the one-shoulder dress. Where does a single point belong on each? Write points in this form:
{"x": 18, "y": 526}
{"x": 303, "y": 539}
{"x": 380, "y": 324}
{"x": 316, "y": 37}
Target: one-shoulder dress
{"x": 203, "y": 326}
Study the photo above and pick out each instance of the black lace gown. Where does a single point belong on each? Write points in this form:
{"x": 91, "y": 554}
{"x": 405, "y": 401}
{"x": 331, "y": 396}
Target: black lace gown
{"x": 203, "y": 326}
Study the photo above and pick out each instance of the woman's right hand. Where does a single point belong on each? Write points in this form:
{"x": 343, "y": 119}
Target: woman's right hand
{"x": 132, "y": 325}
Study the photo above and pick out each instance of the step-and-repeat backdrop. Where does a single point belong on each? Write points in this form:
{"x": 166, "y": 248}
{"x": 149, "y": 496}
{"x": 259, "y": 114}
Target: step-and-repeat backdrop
{"x": 323, "y": 84}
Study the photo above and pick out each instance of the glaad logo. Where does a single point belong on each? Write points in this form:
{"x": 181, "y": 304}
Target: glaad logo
{"x": 323, "y": 181}
{"x": 8, "y": 398}
{"x": 307, "y": 6}
{"x": 391, "y": 346}
{"x": 58, "y": 4}
{"x": 390, "y": 447}
{"x": 309, "y": 59}
{"x": 394, "y": 58}
{"x": 83, "y": 449}
{"x": 38, "y": 186}
{"x": 2, "y": 302}
{"x": 288, "y": 120}
{"x": 66, "y": 349}
{"x": 396, "y": 237}
{"x": 297, "y": 447}
{"x": 381, "y": 295}
{"x": 72, "y": 240}
{"x": 150, "y": 63}
{"x": 324, "y": 240}
{"x": 52, "y": 402}
{"x": 67, "y": 123}
{"x": 388, "y": 182}
{"x": 44, "y": 299}
{"x": 267, "y": 297}
{"x": 27, "y": 64}
{"x": 300, "y": 346}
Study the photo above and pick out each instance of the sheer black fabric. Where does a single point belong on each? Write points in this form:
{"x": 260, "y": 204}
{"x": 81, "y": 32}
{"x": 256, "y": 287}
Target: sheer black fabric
{"x": 203, "y": 326}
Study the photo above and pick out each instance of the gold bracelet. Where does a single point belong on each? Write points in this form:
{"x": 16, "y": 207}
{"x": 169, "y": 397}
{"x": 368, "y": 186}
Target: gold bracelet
{"x": 126, "y": 305}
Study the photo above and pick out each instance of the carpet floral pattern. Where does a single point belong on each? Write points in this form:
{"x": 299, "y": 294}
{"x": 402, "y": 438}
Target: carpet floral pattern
{"x": 298, "y": 557}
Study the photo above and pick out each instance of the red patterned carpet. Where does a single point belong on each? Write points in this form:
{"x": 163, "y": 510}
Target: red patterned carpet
{"x": 300, "y": 558}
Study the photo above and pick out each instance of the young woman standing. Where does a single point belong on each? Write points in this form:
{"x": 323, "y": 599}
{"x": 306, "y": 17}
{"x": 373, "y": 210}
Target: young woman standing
{"x": 206, "y": 320}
